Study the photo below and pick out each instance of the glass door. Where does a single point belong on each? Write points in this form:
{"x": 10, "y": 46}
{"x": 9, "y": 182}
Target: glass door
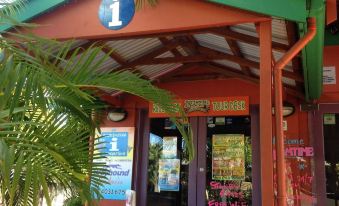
{"x": 229, "y": 161}
{"x": 167, "y": 165}
{"x": 331, "y": 144}
{"x": 224, "y": 168}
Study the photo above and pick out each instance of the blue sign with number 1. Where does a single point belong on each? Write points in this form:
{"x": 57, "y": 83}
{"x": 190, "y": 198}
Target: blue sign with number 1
{"x": 116, "y": 14}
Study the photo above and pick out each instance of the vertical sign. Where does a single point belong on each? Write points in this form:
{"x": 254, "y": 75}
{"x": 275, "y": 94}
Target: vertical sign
{"x": 228, "y": 157}
{"x": 118, "y": 143}
{"x": 116, "y": 14}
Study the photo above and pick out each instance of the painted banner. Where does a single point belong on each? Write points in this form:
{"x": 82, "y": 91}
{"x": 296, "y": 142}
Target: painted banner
{"x": 118, "y": 143}
{"x": 169, "y": 175}
{"x": 228, "y": 157}
{"x": 217, "y": 106}
{"x": 169, "y": 147}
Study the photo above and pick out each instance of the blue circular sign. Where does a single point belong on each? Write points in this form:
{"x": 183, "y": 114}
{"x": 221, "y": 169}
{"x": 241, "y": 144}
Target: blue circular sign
{"x": 116, "y": 14}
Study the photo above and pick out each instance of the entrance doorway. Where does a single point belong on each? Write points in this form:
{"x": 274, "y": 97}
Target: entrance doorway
{"x": 220, "y": 174}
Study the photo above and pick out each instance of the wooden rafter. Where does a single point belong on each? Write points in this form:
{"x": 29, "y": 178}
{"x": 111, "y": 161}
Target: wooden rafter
{"x": 196, "y": 58}
{"x": 166, "y": 42}
{"x": 149, "y": 56}
{"x": 237, "y": 52}
{"x": 230, "y": 34}
{"x": 295, "y": 91}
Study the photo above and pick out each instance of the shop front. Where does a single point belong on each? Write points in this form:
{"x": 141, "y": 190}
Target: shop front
{"x": 218, "y": 61}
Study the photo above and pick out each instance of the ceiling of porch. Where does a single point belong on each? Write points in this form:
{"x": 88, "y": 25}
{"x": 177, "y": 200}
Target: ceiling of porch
{"x": 220, "y": 52}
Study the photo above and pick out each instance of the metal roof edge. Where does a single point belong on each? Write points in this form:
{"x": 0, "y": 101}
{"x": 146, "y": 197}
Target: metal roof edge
{"x": 297, "y": 10}
{"x": 33, "y": 9}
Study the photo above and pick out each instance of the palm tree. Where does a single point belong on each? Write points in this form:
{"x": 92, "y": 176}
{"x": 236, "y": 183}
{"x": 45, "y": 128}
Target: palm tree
{"x": 49, "y": 109}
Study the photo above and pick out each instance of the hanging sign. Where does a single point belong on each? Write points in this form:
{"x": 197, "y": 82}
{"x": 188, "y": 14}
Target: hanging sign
{"x": 169, "y": 147}
{"x": 118, "y": 143}
{"x": 169, "y": 174}
{"x": 228, "y": 157}
{"x": 329, "y": 119}
{"x": 217, "y": 106}
{"x": 116, "y": 14}
{"x": 329, "y": 75}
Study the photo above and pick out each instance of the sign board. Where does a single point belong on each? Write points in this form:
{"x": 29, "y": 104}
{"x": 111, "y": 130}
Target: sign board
{"x": 116, "y": 14}
{"x": 169, "y": 147}
{"x": 329, "y": 119}
{"x": 228, "y": 157}
{"x": 217, "y": 106}
{"x": 329, "y": 75}
{"x": 169, "y": 175}
{"x": 118, "y": 143}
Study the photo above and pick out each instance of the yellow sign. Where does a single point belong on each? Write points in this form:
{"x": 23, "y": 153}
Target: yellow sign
{"x": 228, "y": 157}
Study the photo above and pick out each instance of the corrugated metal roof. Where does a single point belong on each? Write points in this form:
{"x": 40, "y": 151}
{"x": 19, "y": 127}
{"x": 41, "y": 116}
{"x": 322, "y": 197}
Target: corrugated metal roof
{"x": 213, "y": 41}
{"x": 279, "y": 33}
{"x": 134, "y": 48}
{"x": 152, "y": 71}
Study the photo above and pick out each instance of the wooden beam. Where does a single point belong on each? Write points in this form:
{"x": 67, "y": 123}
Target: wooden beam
{"x": 166, "y": 42}
{"x": 193, "y": 78}
{"x": 197, "y": 58}
{"x": 237, "y": 52}
{"x": 149, "y": 56}
{"x": 230, "y": 34}
{"x": 178, "y": 70}
{"x": 228, "y": 71}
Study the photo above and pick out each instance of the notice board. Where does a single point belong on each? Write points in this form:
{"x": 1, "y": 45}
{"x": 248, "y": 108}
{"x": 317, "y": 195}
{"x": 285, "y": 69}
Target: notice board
{"x": 228, "y": 157}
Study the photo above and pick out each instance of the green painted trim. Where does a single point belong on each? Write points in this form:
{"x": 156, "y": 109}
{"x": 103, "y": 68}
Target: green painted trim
{"x": 313, "y": 53}
{"x": 33, "y": 9}
{"x": 294, "y": 10}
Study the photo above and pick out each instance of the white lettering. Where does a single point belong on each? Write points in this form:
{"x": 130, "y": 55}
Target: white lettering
{"x": 115, "y": 14}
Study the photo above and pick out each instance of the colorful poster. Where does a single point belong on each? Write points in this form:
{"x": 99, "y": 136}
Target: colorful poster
{"x": 118, "y": 143}
{"x": 169, "y": 174}
{"x": 169, "y": 147}
{"x": 228, "y": 157}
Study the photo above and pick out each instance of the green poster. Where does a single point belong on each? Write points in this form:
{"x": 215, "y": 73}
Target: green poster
{"x": 228, "y": 157}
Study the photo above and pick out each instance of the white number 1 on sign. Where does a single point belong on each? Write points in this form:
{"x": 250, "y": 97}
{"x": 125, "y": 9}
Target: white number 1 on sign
{"x": 115, "y": 14}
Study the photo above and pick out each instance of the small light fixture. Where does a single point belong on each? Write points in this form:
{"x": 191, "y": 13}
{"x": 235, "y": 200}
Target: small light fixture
{"x": 116, "y": 114}
{"x": 288, "y": 109}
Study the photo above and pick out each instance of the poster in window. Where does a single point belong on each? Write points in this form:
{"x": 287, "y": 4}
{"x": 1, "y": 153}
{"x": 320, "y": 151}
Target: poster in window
{"x": 228, "y": 157}
{"x": 169, "y": 147}
{"x": 169, "y": 174}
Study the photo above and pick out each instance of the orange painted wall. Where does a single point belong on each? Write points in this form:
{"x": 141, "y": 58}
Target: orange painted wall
{"x": 79, "y": 19}
{"x": 331, "y": 92}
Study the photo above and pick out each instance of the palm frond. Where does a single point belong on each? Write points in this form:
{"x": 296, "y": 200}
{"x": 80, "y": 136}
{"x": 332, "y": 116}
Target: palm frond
{"x": 46, "y": 107}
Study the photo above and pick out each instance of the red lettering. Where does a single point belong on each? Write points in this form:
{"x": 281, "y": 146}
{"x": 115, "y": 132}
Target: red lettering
{"x": 214, "y": 185}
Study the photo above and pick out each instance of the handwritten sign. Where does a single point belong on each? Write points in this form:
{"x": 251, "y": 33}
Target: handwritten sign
{"x": 217, "y": 106}
{"x": 228, "y": 157}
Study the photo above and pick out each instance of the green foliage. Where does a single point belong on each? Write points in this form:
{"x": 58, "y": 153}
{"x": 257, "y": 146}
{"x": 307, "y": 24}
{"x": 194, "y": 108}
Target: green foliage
{"x": 49, "y": 112}
{"x": 73, "y": 201}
